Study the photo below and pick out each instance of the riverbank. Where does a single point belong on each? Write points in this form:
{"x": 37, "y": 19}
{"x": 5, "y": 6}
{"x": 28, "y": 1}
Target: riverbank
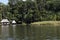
{"x": 43, "y": 23}
{"x": 47, "y": 23}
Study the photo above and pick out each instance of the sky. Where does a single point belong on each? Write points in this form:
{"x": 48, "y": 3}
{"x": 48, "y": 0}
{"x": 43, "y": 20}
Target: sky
{"x": 4, "y": 1}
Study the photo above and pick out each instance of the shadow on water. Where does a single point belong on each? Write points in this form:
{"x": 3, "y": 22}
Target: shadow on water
{"x": 29, "y": 32}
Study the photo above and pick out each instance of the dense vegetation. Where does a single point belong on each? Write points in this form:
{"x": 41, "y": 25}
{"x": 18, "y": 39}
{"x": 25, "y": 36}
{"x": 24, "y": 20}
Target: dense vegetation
{"x": 31, "y": 10}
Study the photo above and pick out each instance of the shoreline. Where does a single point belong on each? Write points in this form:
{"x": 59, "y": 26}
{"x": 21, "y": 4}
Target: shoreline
{"x": 42, "y": 23}
{"x": 47, "y": 23}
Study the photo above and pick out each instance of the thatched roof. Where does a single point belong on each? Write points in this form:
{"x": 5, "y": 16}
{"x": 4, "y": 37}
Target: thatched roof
{"x": 13, "y": 21}
{"x": 4, "y": 20}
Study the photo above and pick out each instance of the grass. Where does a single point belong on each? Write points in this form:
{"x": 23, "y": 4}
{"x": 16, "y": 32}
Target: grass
{"x": 47, "y": 22}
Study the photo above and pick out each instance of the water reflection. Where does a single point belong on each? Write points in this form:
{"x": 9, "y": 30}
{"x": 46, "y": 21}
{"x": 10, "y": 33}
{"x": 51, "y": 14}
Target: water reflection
{"x": 29, "y": 32}
{"x": 14, "y": 32}
{"x": 5, "y": 32}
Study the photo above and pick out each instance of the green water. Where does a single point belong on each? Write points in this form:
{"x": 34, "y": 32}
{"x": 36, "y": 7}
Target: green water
{"x": 29, "y": 32}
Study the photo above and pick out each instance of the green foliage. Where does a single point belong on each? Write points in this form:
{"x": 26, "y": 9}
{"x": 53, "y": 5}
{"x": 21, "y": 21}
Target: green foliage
{"x": 32, "y": 11}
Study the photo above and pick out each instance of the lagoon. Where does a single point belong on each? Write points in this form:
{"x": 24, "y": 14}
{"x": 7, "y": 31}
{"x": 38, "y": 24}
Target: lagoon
{"x": 29, "y": 32}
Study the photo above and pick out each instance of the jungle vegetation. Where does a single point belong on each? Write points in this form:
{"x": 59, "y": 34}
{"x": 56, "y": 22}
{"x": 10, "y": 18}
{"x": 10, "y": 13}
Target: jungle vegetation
{"x": 31, "y": 10}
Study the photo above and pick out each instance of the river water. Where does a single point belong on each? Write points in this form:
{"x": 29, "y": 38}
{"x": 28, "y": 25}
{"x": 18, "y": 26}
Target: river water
{"x": 29, "y": 32}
